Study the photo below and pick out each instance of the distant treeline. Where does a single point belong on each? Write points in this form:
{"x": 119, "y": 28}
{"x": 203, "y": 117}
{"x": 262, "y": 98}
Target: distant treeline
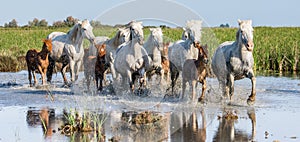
{"x": 68, "y": 22}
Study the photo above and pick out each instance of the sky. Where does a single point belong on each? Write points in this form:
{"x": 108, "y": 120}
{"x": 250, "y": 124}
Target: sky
{"x": 276, "y": 13}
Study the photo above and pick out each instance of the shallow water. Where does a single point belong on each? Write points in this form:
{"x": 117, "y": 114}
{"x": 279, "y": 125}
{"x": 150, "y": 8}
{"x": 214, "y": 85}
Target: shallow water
{"x": 274, "y": 116}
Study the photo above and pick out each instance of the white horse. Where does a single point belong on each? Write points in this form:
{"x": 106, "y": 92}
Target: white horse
{"x": 131, "y": 57}
{"x": 182, "y": 50}
{"x": 234, "y": 60}
{"x": 154, "y": 47}
{"x": 68, "y": 49}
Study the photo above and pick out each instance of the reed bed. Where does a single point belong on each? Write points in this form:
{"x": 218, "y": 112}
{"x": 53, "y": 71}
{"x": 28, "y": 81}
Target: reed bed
{"x": 276, "y": 48}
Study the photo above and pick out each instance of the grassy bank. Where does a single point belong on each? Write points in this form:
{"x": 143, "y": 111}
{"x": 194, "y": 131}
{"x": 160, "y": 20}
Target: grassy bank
{"x": 275, "y": 48}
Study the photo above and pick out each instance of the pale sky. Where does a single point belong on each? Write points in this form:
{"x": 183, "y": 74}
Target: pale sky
{"x": 213, "y": 12}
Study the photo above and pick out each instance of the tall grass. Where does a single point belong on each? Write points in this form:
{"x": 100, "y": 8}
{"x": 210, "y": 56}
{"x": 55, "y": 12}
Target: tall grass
{"x": 275, "y": 48}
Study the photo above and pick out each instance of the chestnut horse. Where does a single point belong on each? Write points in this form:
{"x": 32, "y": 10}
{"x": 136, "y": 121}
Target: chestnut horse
{"x": 100, "y": 65}
{"x": 38, "y": 61}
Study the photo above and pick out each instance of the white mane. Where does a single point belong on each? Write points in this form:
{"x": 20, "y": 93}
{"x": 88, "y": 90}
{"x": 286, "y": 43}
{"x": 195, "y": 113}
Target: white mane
{"x": 195, "y": 27}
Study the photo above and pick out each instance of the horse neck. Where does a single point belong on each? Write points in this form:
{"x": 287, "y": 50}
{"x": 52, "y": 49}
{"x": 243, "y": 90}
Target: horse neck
{"x": 44, "y": 53}
{"x": 239, "y": 46}
{"x": 76, "y": 39}
{"x": 114, "y": 42}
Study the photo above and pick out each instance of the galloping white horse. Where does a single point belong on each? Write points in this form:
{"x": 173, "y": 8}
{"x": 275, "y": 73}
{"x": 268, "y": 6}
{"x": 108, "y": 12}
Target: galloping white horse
{"x": 182, "y": 50}
{"x": 131, "y": 57}
{"x": 185, "y": 49}
{"x": 154, "y": 47}
{"x": 68, "y": 49}
{"x": 234, "y": 60}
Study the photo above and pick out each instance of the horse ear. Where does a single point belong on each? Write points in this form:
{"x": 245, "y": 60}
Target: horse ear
{"x": 183, "y": 28}
{"x": 239, "y": 21}
{"x": 79, "y": 23}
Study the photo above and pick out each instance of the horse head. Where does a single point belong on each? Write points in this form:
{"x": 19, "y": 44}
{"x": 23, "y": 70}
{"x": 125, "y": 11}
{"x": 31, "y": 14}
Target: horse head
{"x": 136, "y": 31}
{"x": 48, "y": 44}
{"x": 123, "y": 35}
{"x": 245, "y": 34}
{"x": 203, "y": 52}
{"x": 193, "y": 29}
{"x": 86, "y": 30}
{"x": 101, "y": 49}
{"x": 157, "y": 35}
{"x": 185, "y": 34}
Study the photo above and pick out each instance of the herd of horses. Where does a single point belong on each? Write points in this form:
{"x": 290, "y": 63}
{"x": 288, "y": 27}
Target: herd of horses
{"x": 128, "y": 58}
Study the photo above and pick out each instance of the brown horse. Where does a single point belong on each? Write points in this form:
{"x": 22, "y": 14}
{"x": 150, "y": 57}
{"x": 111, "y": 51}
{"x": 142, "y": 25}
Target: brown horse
{"x": 194, "y": 70}
{"x": 165, "y": 62}
{"x": 100, "y": 65}
{"x": 38, "y": 61}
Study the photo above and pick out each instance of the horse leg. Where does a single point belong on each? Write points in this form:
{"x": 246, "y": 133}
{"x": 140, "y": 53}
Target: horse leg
{"x": 97, "y": 79}
{"x": 231, "y": 85}
{"x": 34, "y": 77}
{"x": 193, "y": 86}
{"x": 101, "y": 85}
{"x": 72, "y": 71}
{"x": 29, "y": 77}
{"x": 78, "y": 66}
{"x": 42, "y": 74}
{"x": 88, "y": 80}
{"x": 183, "y": 87}
{"x": 174, "y": 76}
{"x": 251, "y": 98}
{"x": 131, "y": 78}
{"x": 50, "y": 69}
{"x": 112, "y": 69}
{"x": 201, "y": 98}
{"x": 63, "y": 73}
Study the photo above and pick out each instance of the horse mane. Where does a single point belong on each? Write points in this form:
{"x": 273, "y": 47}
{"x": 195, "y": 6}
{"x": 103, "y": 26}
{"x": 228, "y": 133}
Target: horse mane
{"x": 195, "y": 27}
{"x": 73, "y": 32}
{"x": 48, "y": 44}
{"x": 238, "y": 34}
{"x": 116, "y": 38}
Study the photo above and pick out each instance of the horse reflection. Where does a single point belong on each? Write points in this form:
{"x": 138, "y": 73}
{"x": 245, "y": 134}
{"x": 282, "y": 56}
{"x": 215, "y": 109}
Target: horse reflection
{"x": 227, "y": 133}
{"x": 190, "y": 130}
{"x": 44, "y": 117}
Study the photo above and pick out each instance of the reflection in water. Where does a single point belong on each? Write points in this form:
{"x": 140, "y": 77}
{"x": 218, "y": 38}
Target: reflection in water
{"x": 141, "y": 126}
{"x": 227, "y": 132}
{"x": 175, "y": 126}
{"x": 190, "y": 129}
{"x": 44, "y": 117}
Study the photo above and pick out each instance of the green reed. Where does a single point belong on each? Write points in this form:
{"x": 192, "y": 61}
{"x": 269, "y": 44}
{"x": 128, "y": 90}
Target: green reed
{"x": 275, "y": 48}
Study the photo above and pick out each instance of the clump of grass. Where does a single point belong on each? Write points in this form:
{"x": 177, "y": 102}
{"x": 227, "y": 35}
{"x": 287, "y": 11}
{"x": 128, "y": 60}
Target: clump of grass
{"x": 87, "y": 122}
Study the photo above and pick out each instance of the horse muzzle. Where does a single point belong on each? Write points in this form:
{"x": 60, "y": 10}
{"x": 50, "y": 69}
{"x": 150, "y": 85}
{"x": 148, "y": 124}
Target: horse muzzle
{"x": 250, "y": 46}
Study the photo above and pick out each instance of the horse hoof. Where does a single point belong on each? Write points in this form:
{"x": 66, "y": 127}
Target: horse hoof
{"x": 201, "y": 100}
{"x": 250, "y": 102}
